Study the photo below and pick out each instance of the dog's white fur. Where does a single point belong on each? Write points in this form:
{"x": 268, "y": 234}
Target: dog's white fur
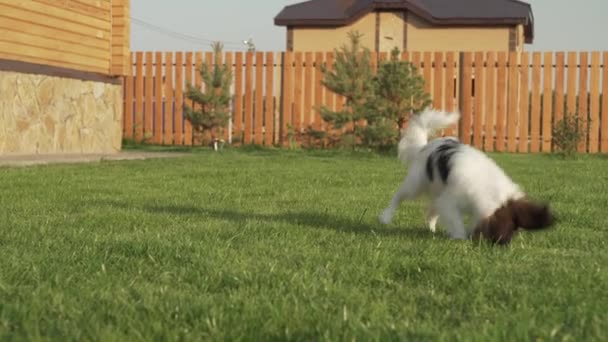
{"x": 476, "y": 186}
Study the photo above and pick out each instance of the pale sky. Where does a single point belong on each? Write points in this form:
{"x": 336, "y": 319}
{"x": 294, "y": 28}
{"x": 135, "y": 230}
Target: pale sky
{"x": 559, "y": 24}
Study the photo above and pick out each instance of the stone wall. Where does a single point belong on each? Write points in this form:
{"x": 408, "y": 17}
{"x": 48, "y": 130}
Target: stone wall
{"x": 44, "y": 114}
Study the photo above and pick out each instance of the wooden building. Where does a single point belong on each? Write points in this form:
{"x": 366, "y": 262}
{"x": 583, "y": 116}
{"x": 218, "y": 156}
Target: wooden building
{"x": 412, "y": 25}
{"x": 61, "y": 66}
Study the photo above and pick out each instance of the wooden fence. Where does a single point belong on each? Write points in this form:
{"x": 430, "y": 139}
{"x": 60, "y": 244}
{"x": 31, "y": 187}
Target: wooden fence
{"x": 501, "y": 95}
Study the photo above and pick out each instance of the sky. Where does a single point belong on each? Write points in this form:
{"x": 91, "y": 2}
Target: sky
{"x": 194, "y": 24}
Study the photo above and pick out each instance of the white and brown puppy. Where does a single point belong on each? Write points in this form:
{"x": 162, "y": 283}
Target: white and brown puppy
{"x": 462, "y": 181}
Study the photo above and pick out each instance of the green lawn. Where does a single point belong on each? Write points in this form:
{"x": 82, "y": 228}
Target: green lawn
{"x": 265, "y": 245}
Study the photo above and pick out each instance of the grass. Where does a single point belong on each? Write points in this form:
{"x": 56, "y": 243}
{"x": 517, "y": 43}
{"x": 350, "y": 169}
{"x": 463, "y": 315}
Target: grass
{"x": 268, "y": 245}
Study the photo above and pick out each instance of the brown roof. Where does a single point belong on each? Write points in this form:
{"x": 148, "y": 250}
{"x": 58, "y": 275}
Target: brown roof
{"x": 437, "y": 12}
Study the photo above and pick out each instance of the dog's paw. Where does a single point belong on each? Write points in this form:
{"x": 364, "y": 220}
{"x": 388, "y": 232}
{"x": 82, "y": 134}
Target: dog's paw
{"x": 433, "y": 224}
{"x": 386, "y": 217}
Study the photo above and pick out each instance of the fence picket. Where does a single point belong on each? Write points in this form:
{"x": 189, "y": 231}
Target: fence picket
{"x": 604, "y": 110}
{"x": 228, "y": 129}
{"x": 465, "y": 96}
{"x": 438, "y": 71}
{"x": 269, "y": 110}
{"x": 179, "y": 98}
{"x": 287, "y": 95}
{"x": 524, "y": 101}
{"x": 479, "y": 97}
{"x": 571, "y": 96}
{"x": 490, "y": 110}
{"x": 259, "y": 98}
{"x": 374, "y": 61}
{"x": 416, "y": 60}
{"x": 382, "y": 57}
{"x": 297, "y": 93}
{"x": 167, "y": 138}
{"x": 329, "y": 95}
{"x": 238, "y": 96}
{"x": 513, "y": 102}
{"x": 149, "y": 111}
{"x": 501, "y": 100}
{"x": 536, "y": 102}
{"x": 139, "y": 96}
{"x": 428, "y": 71}
{"x": 158, "y": 98}
{"x": 308, "y": 61}
{"x": 129, "y": 92}
{"x": 582, "y": 98}
{"x": 560, "y": 69}
{"x": 547, "y": 102}
{"x": 188, "y": 79}
{"x": 449, "y": 88}
{"x": 248, "y": 114}
{"x": 594, "y": 103}
{"x": 318, "y": 121}
{"x": 198, "y": 82}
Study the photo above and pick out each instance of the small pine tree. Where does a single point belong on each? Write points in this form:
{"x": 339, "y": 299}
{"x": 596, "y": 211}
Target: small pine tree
{"x": 211, "y": 111}
{"x": 567, "y": 134}
{"x": 398, "y": 93}
{"x": 351, "y": 78}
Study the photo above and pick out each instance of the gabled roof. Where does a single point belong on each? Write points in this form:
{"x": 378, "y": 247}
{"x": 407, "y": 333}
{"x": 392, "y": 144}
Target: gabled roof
{"x": 437, "y": 12}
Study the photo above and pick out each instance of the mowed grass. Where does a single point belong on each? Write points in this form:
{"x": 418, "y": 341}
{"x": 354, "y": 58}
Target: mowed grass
{"x": 268, "y": 245}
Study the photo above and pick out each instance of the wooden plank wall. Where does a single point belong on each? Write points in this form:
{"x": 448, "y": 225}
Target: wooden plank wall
{"x": 121, "y": 37}
{"x": 75, "y": 34}
{"x": 509, "y": 102}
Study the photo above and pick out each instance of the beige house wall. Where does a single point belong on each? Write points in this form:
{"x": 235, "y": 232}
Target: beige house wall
{"x": 391, "y": 31}
{"x": 422, "y": 36}
{"x": 521, "y": 38}
{"x": 327, "y": 39}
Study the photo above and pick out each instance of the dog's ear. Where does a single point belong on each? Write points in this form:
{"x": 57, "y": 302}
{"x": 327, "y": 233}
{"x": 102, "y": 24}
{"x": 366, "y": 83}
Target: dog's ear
{"x": 531, "y": 216}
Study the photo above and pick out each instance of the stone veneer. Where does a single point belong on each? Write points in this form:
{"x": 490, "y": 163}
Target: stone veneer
{"x": 43, "y": 114}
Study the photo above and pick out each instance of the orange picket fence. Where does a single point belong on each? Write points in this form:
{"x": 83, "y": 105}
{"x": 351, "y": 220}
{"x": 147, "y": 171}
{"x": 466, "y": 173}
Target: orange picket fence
{"x": 509, "y": 101}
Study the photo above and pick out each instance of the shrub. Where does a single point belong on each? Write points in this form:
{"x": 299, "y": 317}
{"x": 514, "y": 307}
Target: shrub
{"x": 376, "y": 106}
{"x": 351, "y": 77}
{"x": 567, "y": 134}
{"x": 398, "y": 93}
{"x": 211, "y": 112}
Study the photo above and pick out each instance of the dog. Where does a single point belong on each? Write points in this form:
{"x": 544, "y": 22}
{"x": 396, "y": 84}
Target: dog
{"x": 462, "y": 181}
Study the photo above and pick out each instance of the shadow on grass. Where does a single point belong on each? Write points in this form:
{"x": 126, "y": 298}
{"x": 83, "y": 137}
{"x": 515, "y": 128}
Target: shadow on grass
{"x": 317, "y": 220}
{"x": 303, "y": 219}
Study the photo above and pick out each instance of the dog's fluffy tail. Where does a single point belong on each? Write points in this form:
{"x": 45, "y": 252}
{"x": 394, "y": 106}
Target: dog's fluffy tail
{"x": 419, "y": 128}
{"x": 530, "y": 215}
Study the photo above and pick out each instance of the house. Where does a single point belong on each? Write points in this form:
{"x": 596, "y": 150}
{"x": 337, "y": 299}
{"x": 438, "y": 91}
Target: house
{"x": 61, "y": 66}
{"x": 414, "y": 25}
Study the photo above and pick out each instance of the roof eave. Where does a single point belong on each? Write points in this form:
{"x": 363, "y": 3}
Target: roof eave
{"x": 528, "y": 21}
{"x": 311, "y": 22}
{"x": 432, "y": 20}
